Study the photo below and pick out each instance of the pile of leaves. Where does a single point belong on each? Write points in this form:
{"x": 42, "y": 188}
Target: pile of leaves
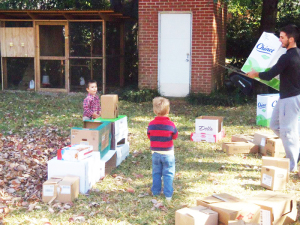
{"x": 23, "y": 165}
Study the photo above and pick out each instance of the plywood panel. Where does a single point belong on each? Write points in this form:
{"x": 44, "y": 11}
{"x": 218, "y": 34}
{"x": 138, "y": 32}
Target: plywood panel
{"x": 22, "y": 43}
{"x": 3, "y": 45}
{"x": 15, "y": 36}
{"x": 16, "y": 41}
{"x": 30, "y": 42}
{"x": 8, "y": 41}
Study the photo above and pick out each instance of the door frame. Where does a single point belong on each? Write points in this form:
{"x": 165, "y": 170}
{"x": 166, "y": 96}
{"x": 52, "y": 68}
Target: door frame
{"x": 159, "y": 45}
{"x": 38, "y": 57}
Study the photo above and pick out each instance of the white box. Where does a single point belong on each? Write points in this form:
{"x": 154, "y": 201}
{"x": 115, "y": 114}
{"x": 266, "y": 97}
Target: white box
{"x": 88, "y": 170}
{"x": 122, "y": 153}
{"x": 75, "y": 152}
{"x": 264, "y": 109}
{"x": 208, "y": 124}
{"x": 265, "y": 53}
{"x": 212, "y": 138}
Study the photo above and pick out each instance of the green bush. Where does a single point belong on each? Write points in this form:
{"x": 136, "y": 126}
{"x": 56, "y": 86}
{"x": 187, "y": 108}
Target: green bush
{"x": 138, "y": 95}
{"x": 220, "y": 98}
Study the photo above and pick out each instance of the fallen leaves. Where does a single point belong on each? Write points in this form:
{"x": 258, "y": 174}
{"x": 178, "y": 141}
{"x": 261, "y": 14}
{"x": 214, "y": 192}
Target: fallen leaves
{"x": 158, "y": 205}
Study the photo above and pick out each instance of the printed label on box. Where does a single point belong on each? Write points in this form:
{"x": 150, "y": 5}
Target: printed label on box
{"x": 267, "y": 180}
{"x": 263, "y": 142}
{"x": 65, "y": 189}
{"x": 48, "y": 190}
{"x": 265, "y": 216}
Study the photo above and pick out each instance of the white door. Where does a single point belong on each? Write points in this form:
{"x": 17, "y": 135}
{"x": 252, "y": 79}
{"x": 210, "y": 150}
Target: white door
{"x": 174, "y": 54}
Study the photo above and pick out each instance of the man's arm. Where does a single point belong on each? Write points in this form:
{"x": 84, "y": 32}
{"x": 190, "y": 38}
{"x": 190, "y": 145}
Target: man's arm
{"x": 273, "y": 72}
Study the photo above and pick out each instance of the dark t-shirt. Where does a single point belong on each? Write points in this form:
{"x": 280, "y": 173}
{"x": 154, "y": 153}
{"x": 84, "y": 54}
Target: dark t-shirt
{"x": 288, "y": 66}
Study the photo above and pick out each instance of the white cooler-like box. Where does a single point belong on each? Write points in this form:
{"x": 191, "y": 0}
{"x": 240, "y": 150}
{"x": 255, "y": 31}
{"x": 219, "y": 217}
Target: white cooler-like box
{"x": 208, "y": 128}
{"x": 89, "y": 170}
{"x": 122, "y": 153}
{"x": 264, "y": 109}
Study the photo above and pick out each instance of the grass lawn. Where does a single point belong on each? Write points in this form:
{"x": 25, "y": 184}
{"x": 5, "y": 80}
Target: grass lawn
{"x": 202, "y": 169}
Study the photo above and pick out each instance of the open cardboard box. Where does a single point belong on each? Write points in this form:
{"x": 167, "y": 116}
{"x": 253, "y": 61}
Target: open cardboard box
{"x": 231, "y": 208}
{"x": 96, "y": 134}
{"x": 199, "y": 215}
{"x": 276, "y": 208}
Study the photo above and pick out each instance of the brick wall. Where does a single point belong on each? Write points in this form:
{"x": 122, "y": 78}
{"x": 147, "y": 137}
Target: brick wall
{"x": 208, "y": 28}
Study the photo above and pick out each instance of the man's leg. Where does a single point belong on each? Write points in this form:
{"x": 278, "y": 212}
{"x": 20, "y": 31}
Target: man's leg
{"x": 288, "y": 119}
{"x": 274, "y": 123}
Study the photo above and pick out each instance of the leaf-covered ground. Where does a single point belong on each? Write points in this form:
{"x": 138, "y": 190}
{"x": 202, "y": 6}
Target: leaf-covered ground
{"x": 33, "y": 126}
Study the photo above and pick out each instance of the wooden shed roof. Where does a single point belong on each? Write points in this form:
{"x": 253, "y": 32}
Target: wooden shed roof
{"x": 108, "y": 15}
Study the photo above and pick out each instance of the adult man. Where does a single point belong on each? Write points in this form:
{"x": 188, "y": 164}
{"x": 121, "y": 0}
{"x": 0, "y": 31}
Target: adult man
{"x": 284, "y": 121}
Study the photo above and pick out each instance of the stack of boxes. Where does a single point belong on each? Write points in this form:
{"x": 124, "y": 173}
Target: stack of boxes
{"x": 96, "y": 148}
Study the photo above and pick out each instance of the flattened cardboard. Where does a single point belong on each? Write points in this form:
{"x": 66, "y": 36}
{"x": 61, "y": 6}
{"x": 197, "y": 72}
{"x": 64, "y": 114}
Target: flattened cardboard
{"x": 239, "y": 148}
{"x": 109, "y": 106}
{"x": 277, "y": 208}
{"x": 198, "y": 215}
{"x": 68, "y": 189}
{"x": 231, "y": 208}
{"x": 274, "y": 148}
{"x": 241, "y": 222}
{"x": 283, "y": 163}
{"x": 273, "y": 178}
{"x": 242, "y": 138}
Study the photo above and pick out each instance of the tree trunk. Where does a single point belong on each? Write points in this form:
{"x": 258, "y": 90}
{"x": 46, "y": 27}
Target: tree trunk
{"x": 268, "y": 16}
{"x": 267, "y": 24}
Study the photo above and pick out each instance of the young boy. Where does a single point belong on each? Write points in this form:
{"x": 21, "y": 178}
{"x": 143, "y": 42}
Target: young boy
{"x": 161, "y": 132}
{"x": 91, "y": 104}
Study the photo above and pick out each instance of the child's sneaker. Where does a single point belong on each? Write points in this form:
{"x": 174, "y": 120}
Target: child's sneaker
{"x": 168, "y": 199}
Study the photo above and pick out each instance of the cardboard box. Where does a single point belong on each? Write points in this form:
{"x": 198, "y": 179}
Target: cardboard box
{"x": 75, "y": 152}
{"x": 274, "y": 148}
{"x": 260, "y": 139}
{"x": 209, "y": 125}
{"x": 99, "y": 137}
{"x": 87, "y": 170}
{"x": 198, "y": 215}
{"x": 239, "y": 148}
{"x": 242, "y": 138}
{"x": 241, "y": 222}
{"x": 265, "y": 54}
{"x": 264, "y": 110}
{"x": 273, "y": 178}
{"x": 119, "y": 129}
{"x": 50, "y": 189}
{"x": 283, "y": 163}
{"x": 68, "y": 189}
{"x": 110, "y": 160}
{"x": 276, "y": 208}
{"x": 109, "y": 106}
{"x": 231, "y": 208}
{"x": 212, "y": 138}
{"x": 122, "y": 152}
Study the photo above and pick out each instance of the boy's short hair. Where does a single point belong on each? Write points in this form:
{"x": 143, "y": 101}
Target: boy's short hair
{"x": 291, "y": 31}
{"x": 161, "y": 106}
{"x": 90, "y": 82}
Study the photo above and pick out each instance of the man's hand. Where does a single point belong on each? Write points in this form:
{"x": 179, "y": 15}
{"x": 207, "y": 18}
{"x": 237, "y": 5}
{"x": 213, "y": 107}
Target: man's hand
{"x": 252, "y": 74}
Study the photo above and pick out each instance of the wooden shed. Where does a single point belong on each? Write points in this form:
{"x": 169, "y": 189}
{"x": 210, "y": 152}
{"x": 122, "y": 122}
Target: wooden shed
{"x": 59, "y": 50}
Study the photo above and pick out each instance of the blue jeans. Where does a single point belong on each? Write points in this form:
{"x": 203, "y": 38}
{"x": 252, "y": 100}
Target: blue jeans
{"x": 163, "y": 166}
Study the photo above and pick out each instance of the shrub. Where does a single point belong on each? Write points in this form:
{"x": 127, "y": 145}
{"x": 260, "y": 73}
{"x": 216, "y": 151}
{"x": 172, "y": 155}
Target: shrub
{"x": 138, "y": 95}
{"x": 220, "y": 98}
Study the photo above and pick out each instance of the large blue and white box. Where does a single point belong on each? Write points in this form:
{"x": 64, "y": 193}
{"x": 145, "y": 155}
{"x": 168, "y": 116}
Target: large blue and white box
{"x": 264, "y": 110}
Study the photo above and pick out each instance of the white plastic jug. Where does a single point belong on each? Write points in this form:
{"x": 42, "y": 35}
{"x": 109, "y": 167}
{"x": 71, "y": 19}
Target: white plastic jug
{"x": 82, "y": 82}
{"x": 31, "y": 84}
